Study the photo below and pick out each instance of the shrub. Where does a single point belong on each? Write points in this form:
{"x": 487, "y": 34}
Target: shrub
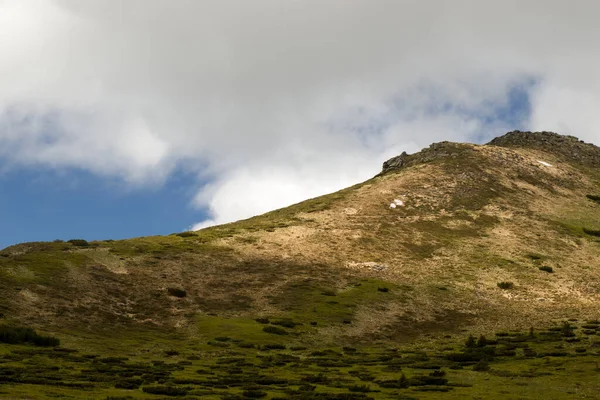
{"x": 130, "y": 384}
{"x": 320, "y": 378}
{"x": 17, "y": 335}
{"x": 274, "y": 346}
{"x": 262, "y": 320}
{"x": 166, "y": 390}
{"x": 175, "y": 292}
{"x": 287, "y": 323}
{"x": 591, "y": 232}
{"x": 567, "y": 330}
{"x": 360, "y": 388}
{"x": 470, "y": 342}
{"x": 328, "y": 292}
{"x": 482, "y": 365}
{"x": 254, "y": 394}
{"x": 593, "y": 197}
{"x": 401, "y": 383}
{"x": 275, "y": 330}
{"x": 483, "y": 341}
{"x": 506, "y": 285}
{"x": 527, "y": 352}
{"x": 590, "y": 326}
{"x": 383, "y": 289}
{"x": 546, "y": 268}
{"x": 79, "y": 242}
{"x": 186, "y": 234}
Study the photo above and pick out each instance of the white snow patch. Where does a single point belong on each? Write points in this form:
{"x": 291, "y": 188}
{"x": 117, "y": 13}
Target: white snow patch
{"x": 393, "y": 205}
{"x": 398, "y": 202}
{"x": 544, "y": 163}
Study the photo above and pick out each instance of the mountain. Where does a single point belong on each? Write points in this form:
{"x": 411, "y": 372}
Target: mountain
{"x": 457, "y": 238}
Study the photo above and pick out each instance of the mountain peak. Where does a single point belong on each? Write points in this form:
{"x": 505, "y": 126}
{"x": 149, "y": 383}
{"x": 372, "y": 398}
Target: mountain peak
{"x": 568, "y": 148}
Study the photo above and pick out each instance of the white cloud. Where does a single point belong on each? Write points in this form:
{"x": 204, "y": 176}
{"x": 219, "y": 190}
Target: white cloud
{"x": 278, "y": 101}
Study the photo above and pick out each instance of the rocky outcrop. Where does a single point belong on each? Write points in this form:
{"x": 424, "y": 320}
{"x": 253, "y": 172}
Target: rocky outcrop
{"x": 433, "y": 152}
{"x": 568, "y": 148}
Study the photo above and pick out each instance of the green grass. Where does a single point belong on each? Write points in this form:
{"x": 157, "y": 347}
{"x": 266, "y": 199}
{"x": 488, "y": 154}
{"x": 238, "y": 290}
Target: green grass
{"x": 533, "y": 365}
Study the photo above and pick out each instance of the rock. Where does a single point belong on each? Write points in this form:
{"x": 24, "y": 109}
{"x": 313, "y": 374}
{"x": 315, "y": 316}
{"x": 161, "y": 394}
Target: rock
{"x": 434, "y": 151}
{"x": 567, "y": 148}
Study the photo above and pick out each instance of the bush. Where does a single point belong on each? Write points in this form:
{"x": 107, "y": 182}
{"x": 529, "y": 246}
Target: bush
{"x": 471, "y": 342}
{"x": 328, "y": 292}
{"x": 506, "y": 285}
{"x": 275, "y": 330}
{"x": 567, "y": 330}
{"x": 401, "y": 383}
{"x": 79, "y": 242}
{"x": 360, "y": 388}
{"x": 262, "y": 320}
{"x": 546, "y": 268}
{"x": 166, "y": 390}
{"x": 287, "y": 323}
{"x": 17, "y": 335}
{"x": 481, "y": 366}
{"x": 591, "y": 232}
{"x": 320, "y": 378}
{"x": 483, "y": 341}
{"x": 383, "y": 289}
{"x": 186, "y": 234}
{"x": 175, "y": 292}
{"x": 129, "y": 384}
{"x": 593, "y": 198}
{"x": 274, "y": 347}
{"x": 254, "y": 394}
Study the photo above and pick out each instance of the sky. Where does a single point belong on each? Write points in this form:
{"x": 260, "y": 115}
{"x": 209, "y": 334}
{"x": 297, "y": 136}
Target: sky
{"x": 125, "y": 118}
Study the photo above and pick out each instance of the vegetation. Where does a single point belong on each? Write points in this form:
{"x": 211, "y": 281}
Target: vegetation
{"x": 593, "y": 232}
{"x": 176, "y": 292}
{"x": 186, "y": 234}
{"x": 18, "y": 335}
{"x": 594, "y": 198}
{"x": 78, "y": 242}
{"x": 506, "y": 285}
{"x": 546, "y": 268}
{"x": 531, "y": 364}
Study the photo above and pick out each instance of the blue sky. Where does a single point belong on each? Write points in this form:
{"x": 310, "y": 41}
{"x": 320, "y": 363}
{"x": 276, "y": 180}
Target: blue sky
{"x": 43, "y": 205}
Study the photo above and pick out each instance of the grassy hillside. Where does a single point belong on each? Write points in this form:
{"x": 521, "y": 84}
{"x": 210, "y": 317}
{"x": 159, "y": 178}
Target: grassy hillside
{"x": 306, "y": 301}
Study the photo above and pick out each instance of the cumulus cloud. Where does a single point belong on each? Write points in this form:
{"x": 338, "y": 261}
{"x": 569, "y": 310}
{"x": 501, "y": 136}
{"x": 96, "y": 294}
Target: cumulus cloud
{"x": 273, "y": 102}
